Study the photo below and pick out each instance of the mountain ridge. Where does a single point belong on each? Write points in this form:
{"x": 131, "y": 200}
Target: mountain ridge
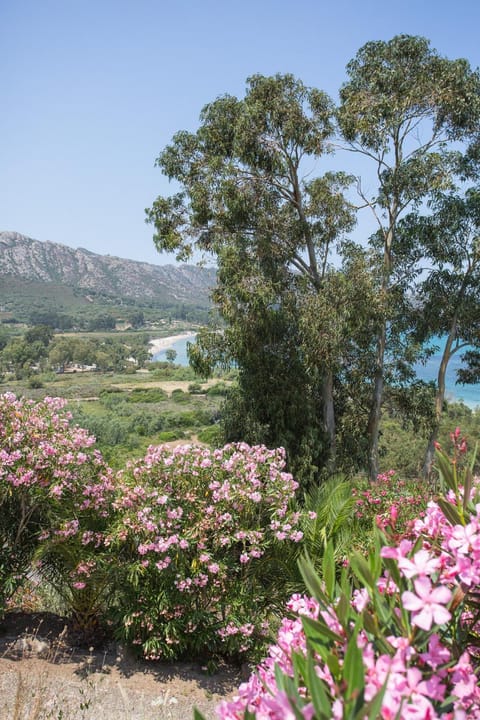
{"x": 48, "y": 262}
{"x": 42, "y": 282}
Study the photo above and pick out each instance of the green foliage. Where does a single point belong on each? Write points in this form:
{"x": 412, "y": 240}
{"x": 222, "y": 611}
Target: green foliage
{"x": 35, "y": 383}
{"x": 144, "y": 395}
{"x": 393, "y": 89}
{"x": 244, "y": 199}
{"x": 169, "y": 435}
{"x": 196, "y": 389}
{"x": 179, "y": 396}
{"x": 328, "y": 524}
{"x": 220, "y": 388}
{"x": 211, "y": 436}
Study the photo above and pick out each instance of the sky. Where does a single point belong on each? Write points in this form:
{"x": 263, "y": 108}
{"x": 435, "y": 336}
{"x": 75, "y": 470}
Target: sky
{"x": 93, "y": 90}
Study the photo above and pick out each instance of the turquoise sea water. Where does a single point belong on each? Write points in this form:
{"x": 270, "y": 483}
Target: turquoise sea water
{"x": 469, "y": 394}
{"x": 180, "y": 347}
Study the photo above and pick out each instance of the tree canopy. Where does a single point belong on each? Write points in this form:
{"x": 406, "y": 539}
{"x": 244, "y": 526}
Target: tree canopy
{"x": 320, "y": 326}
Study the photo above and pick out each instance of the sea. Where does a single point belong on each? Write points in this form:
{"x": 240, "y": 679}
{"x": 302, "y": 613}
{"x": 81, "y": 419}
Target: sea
{"x": 468, "y": 394}
{"x": 455, "y": 392}
{"x": 180, "y": 347}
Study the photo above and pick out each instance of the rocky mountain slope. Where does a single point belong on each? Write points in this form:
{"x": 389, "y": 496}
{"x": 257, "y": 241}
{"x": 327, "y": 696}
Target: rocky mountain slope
{"x": 26, "y": 259}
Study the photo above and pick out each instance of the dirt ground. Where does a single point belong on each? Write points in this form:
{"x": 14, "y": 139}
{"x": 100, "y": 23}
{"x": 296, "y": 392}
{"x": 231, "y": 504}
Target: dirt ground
{"x": 45, "y": 675}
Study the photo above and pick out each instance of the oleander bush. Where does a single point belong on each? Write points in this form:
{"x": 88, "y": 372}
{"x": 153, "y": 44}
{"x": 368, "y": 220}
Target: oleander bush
{"x": 395, "y": 636}
{"x": 173, "y": 542}
{"x": 193, "y": 526}
{"x": 56, "y": 495}
{"x": 182, "y": 553}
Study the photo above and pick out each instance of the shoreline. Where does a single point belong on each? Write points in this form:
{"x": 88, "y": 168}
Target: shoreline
{"x": 157, "y": 345}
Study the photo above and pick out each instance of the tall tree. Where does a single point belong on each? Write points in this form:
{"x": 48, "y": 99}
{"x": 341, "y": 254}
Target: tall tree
{"x": 244, "y": 198}
{"x": 449, "y": 296}
{"x": 400, "y": 108}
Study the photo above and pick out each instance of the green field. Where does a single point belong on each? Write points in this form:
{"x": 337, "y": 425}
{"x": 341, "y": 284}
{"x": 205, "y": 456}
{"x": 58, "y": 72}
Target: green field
{"x": 129, "y": 412}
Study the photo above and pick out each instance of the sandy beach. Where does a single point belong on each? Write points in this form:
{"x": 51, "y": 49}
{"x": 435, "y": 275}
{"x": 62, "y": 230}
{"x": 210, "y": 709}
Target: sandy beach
{"x": 156, "y": 345}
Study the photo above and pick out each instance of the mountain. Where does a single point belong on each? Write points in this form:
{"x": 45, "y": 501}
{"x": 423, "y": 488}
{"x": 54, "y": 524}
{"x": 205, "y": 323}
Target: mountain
{"x": 48, "y": 272}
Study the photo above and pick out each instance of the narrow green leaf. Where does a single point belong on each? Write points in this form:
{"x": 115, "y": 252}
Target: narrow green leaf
{"x": 328, "y": 567}
{"x": 318, "y": 693}
{"x": 197, "y": 715}
{"x": 312, "y": 580}
{"x": 374, "y": 557}
{"x": 299, "y": 663}
{"x": 342, "y": 610}
{"x": 445, "y": 471}
{"x": 450, "y": 512}
{"x": 370, "y": 623}
{"x": 333, "y": 665}
{"x": 393, "y": 570}
{"x": 467, "y": 488}
{"x": 474, "y": 458}
{"x": 345, "y": 582}
{"x": 317, "y": 631}
{"x": 361, "y": 569}
{"x": 280, "y": 678}
{"x": 354, "y": 671}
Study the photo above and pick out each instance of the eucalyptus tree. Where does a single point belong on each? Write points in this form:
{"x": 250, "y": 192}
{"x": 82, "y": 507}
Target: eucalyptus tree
{"x": 449, "y": 297}
{"x": 401, "y": 108}
{"x": 247, "y": 196}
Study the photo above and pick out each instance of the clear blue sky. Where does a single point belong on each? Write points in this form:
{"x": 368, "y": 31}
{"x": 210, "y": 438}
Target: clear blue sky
{"x": 92, "y": 90}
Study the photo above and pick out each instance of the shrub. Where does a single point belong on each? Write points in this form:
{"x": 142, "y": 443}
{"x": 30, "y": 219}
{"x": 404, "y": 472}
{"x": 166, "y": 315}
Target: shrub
{"x": 219, "y": 388}
{"x": 170, "y": 435}
{"x": 404, "y": 644}
{"x": 188, "y": 418}
{"x": 147, "y": 395}
{"x": 55, "y": 491}
{"x": 196, "y": 389}
{"x": 35, "y": 383}
{"x": 194, "y": 524}
{"x": 211, "y": 435}
{"x": 111, "y": 398}
{"x": 178, "y": 396}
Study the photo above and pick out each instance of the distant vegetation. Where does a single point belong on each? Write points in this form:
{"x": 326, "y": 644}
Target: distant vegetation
{"x": 64, "y": 308}
{"x": 52, "y": 284}
{"x": 124, "y": 409}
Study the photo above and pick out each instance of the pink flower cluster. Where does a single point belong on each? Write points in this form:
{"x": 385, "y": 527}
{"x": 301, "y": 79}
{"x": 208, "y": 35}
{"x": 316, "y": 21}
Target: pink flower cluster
{"x": 198, "y": 520}
{"x": 40, "y": 449}
{"x": 421, "y": 665}
{"x": 61, "y": 489}
{"x": 390, "y": 501}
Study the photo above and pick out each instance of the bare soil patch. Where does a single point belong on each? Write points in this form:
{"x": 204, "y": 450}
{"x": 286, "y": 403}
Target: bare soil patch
{"x": 46, "y": 674}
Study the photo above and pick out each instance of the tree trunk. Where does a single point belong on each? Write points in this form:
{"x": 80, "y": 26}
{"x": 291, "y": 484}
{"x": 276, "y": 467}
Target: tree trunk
{"x": 439, "y": 399}
{"x": 373, "y": 428}
{"x": 329, "y": 418}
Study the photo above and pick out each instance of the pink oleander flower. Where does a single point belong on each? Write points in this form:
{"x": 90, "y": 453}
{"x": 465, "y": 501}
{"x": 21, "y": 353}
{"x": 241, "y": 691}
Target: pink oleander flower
{"x": 427, "y": 604}
{"x": 422, "y": 563}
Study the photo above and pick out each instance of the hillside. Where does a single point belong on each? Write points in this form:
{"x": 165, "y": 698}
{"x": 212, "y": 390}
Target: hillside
{"x": 54, "y": 277}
